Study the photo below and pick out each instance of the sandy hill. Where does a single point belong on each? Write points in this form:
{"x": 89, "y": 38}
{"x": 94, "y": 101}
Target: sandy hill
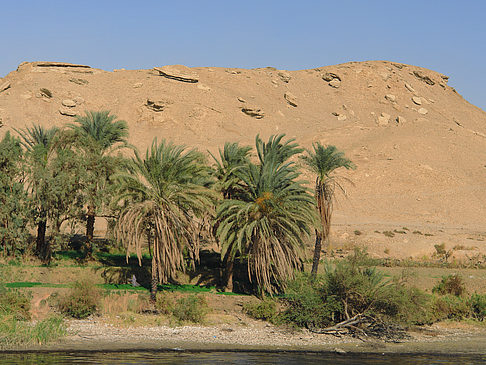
{"x": 420, "y": 148}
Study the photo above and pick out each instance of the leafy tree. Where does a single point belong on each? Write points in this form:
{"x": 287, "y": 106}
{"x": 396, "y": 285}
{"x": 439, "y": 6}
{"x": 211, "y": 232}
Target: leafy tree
{"x": 97, "y": 135}
{"x": 54, "y": 174}
{"x": 232, "y": 159}
{"x": 163, "y": 195}
{"x": 323, "y": 161}
{"x": 39, "y": 144}
{"x": 268, "y": 222}
{"x": 13, "y": 198}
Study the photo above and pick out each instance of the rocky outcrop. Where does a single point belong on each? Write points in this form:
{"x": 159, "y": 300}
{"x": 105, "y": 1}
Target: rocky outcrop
{"x": 423, "y": 77}
{"x": 4, "y": 86}
{"x": 284, "y": 76}
{"x": 69, "y": 112}
{"x": 69, "y": 103}
{"x": 291, "y": 98}
{"x": 46, "y": 93}
{"x": 79, "y": 81}
{"x": 157, "y": 105}
{"x": 178, "y": 73}
{"x": 333, "y": 79}
{"x": 253, "y": 112}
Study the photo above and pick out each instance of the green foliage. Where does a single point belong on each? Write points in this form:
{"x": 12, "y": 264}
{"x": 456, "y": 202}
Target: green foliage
{"x": 14, "y": 332}
{"x": 268, "y": 221}
{"x": 14, "y": 212}
{"x": 477, "y": 303}
{"x": 14, "y": 303}
{"x": 192, "y": 308}
{"x": 162, "y": 198}
{"x": 306, "y": 304}
{"x": 233, "y": 158}
{"x": 449, "y": 307}
{"x": 451, "y": 284}
{"x": 265, "y": 310}
{"x": 323, "y": 160}
{"x": 346, "y": 289}
{"x": 82, "y": 300}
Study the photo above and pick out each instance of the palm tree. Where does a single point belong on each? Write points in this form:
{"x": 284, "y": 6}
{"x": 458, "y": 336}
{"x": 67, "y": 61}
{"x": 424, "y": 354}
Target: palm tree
{"x": 40, "y": 146}
{"x": 323, "y": 161}
{"x": 163, "y": 195}
{"x": 98, "y": 135}
{"x": 232, "y": 159}
{"x": 267, "y": 223}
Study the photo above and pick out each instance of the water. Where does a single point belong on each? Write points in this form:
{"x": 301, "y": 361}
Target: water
{"x": 239, "y": 358}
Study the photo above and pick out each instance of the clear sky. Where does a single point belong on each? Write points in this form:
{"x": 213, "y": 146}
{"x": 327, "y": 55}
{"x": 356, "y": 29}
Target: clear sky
{"x": 448, "y": 36}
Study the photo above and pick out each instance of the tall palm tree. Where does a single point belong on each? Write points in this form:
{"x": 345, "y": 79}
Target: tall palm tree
{"x": 323, "y": 161}
{"x": 98, "y": 134}
{"x": 269, "y": 221}
{"x": 163, "y": 194}
{"x": 39, "y": 143}
{"x": 232, "y": 158}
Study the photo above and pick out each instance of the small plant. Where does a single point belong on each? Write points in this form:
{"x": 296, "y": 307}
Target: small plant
{"x": 442, "y": 253}
{"x": 428, "y": 234}
{"x": 417, "y": 232}
{"x": 449, "y": 307}
{"x": 451, "y": 284}
{"x": 191, "y": 308}
{"x": 389, "y": 234}
{"x": 265, "y": 310}
{"x": 14, "y": 332}
{"x": 14, "y": 303}
{"x": 400, "y": 232}
{"x": 477, "y": 303}
{"x": 82, "y": 301}
{"x": 358, "y": 233}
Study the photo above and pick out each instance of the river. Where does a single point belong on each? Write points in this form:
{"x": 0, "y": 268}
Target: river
{"x": 240, "y": 358}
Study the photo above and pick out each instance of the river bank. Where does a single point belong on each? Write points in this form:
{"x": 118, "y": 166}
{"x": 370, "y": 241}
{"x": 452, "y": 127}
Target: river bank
{"x": 94, "y": 335}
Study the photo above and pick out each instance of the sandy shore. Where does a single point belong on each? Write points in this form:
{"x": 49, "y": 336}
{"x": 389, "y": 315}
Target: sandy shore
{"x": 93, "y": 335}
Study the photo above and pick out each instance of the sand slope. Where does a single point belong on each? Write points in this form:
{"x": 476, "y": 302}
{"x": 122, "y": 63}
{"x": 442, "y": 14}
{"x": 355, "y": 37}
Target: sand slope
{"x": 420, "y": 148}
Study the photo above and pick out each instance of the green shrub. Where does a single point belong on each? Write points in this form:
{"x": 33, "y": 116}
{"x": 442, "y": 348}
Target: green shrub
{"x": 265, "y": 310}
{"x": 449, "y": 307}
{"x": 163, "y": 304}
{"x": 82, "y": 300}
{"x": 451, "y": 284}
{"x": 14, "y": 332}
{"x": 477, "y": 304}
{"x": 191, "y": 308}
{"x": 306, "y": 305}
{"x": 14, "y": 303}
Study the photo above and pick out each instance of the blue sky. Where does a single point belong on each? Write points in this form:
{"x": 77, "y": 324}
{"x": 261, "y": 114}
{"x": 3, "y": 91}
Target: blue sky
{"x": 444, "y": 35}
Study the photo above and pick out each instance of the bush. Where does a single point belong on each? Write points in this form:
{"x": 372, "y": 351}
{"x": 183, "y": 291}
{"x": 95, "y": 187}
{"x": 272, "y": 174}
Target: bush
{"x": 451, "y": 284}
{"x": 191, "y": 308}
{"x": 306, "y": 305}
{"x": 265, "y": 310}
{"x": 15, "y": 332}
{"x": 82, "y": 300}
{"x": 477, "y": 304}
{"x": 14, "y": 303}
{"x": 449, "y": 307}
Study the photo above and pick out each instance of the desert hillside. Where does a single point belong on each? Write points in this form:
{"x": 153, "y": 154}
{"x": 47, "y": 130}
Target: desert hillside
{"x": 419, "y": 147}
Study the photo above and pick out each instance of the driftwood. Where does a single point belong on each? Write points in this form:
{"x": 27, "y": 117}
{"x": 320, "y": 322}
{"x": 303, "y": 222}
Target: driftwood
{"x": 365, "y": 327}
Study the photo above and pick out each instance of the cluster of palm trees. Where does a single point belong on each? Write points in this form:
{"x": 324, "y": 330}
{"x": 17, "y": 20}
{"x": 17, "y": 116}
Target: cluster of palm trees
{"x": 255, "y": 205}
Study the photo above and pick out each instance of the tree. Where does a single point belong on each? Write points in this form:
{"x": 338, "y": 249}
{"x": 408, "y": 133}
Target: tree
{"x": 163, "y": 195}
{"x": 267, "y": 223}
{"x": 39, "y": 144}
{"x": 97, "y": 135}
{"x": 232, "y": 159}
{"x": 13, "y": 197}
{"x": 323, "y": 161}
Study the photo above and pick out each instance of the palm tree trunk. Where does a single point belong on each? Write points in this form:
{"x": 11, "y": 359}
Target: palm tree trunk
{"x": 317, "y": 253}
{"x": 42, "y": 247}
{"x": 228, "y": 267}
{"x": 90, "y": 231}
{"x": 154, "y": 282}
